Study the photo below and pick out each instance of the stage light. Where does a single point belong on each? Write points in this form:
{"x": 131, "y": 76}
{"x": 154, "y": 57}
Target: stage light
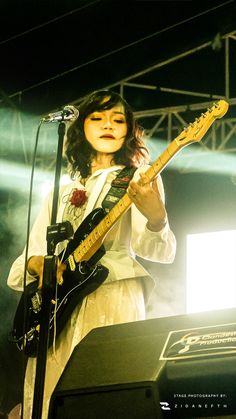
{"x": 17, "y": 176}
{"x": 211, "y": 271}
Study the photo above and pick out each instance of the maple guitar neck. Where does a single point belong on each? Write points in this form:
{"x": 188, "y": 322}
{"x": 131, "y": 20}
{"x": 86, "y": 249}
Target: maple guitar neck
{"x": 193, "y": 133}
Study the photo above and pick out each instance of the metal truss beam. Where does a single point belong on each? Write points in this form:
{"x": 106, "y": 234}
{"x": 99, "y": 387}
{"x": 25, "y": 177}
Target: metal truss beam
{"x": 168, "y": 121}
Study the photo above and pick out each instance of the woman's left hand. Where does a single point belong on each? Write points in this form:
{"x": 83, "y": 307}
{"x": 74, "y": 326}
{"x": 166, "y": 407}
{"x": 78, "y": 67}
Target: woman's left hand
{"x": 147, "y": 199}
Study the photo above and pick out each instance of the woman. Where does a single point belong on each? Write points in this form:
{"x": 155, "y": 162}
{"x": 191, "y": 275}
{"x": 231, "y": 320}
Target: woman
{"x": 100, "y": 143}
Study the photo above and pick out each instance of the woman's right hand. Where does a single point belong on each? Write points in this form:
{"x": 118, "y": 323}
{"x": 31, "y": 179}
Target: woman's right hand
{"x": 35, "y": 266}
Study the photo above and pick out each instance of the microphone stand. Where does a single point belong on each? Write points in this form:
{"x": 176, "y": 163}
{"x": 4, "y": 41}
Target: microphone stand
{"x": 54, "y": 236}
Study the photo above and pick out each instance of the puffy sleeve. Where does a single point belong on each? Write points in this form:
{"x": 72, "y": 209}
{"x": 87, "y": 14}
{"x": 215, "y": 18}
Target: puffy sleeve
{"x": 37, "y": 247}
{"x": 150, "y": 245}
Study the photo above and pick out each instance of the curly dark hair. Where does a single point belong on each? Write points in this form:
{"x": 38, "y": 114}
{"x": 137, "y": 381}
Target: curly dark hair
{"x": 78, "y": 150}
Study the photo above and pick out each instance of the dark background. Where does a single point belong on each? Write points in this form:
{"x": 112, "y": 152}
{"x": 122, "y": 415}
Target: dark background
{"x": 53, "y": 53}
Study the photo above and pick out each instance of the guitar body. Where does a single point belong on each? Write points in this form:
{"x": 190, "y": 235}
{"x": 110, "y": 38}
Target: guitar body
{"x": 77, "y": 284}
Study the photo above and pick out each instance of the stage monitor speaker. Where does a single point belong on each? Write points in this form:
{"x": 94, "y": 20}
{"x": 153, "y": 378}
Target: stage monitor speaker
{"x": 123, "y": 372}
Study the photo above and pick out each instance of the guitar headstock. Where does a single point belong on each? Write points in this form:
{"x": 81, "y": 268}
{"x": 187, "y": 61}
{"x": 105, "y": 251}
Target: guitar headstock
{"x": 196, "y": 130}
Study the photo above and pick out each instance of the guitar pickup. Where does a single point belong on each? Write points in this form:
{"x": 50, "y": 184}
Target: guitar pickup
{"x": 36, "y": 302}
{"x": 72, "y": 263}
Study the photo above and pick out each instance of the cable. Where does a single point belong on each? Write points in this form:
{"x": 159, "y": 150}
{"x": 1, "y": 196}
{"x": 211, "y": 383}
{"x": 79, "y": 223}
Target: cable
{"x": 27, "y": 245}
{"x": 48, "y": 22}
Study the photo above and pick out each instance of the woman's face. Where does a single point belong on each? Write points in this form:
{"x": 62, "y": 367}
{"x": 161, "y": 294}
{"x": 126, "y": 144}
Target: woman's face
{"x": 106, "y": 130}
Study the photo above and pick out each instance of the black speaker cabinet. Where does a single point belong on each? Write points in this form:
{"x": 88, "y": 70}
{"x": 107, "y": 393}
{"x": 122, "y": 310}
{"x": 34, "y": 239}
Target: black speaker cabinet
{"x": 150, "y": 369}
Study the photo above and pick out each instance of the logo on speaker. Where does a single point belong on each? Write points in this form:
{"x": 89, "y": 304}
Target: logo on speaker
{"x": 205, "y": 341}
{"x": 165, "y": 406}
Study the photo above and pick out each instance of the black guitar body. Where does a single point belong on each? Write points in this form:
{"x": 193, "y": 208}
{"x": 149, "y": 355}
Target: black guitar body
{"x": 86, "y": 278}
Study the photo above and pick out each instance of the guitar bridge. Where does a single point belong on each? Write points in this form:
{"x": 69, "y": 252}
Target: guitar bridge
{"x": 36, "y": 302}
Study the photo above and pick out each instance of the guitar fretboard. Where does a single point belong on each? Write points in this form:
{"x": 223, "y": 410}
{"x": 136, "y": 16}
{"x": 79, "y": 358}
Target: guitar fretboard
{"x": 100, "y": 231}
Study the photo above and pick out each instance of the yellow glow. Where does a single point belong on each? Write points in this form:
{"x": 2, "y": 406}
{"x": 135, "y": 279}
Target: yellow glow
{"x": 211, "y": 271}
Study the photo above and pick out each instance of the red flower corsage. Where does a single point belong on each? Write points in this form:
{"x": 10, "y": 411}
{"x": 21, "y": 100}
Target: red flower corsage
{"x": 78, "y": 197}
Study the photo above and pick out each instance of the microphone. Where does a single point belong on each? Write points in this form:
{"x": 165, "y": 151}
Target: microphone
{"x": 68, "y": 113}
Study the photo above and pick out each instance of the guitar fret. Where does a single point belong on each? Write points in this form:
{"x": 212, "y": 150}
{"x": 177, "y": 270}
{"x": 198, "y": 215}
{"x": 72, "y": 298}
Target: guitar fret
{"x": 77, "y": 254}
{"x": 123, "y": 204}
{"x": 96, "y": 233}
{"x": 126, "y": 200}
{"x": 116, "y": 211}
{"x": 90, "y": 241}
{"x": 152, "y": 171}
{"x": 84, "y": 247}
{"x": 107, "y": 221}
{"x": 100, "y": 228}
{"x": 120, "y": 204}
{"x": 93, "y": 236}
{"x": 163, "y": 161}
{"x": 173, "y": 147}
{"x": 112, "y": 216}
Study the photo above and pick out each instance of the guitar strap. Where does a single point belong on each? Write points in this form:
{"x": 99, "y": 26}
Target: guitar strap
{"x": 118, "y": 188}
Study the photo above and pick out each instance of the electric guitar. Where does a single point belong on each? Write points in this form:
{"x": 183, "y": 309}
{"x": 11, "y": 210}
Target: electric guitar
{"x": 83, "y": 272}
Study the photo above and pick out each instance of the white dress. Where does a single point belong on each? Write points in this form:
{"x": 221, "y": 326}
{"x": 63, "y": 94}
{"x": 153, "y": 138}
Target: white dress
{"x": 121, "y": 298}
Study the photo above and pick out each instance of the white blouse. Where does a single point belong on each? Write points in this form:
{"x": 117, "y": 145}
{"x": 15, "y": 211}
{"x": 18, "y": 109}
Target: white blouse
{"x": 127, "y": 238}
